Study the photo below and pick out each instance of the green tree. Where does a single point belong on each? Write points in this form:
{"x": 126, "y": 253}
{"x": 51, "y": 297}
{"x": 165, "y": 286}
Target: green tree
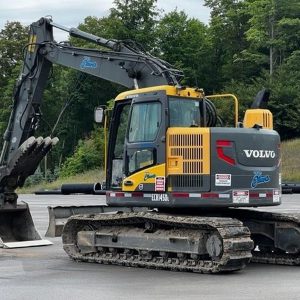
{"x": 12, "y": 40}
{"x": 135, "y": 20}
{"x": 87, "y": 155}
{"x": 229, "y": 23}
{"x": 185, "y": 43}
{"x": 284, "y": 99}
{"x": 274, "y": 28}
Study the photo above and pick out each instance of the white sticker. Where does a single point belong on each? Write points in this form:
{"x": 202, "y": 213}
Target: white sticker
{"x": 279, "y": 178}
{"x": 223, "y": 179}
{"x": 276, "y": 196}
{"x": 160, "y": 197}
{"x": 160, "y": 184}
{"x": 141, "y": 186}
{"x": 240, "y": 196}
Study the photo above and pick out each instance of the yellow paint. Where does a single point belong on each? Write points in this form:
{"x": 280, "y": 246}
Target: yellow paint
{"x": 32, "y": 42}
{"x": 170, "y": 91}
{"x": 188, "y": 150}
{"x": 175, "y": 165}
{"x": 145, "y": 176}
{"x": 262, "y": 117}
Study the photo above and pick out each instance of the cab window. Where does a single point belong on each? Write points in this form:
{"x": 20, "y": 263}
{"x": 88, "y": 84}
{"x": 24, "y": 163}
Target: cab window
{"x": 140, "y": 159}
{"x": 145, "y": 122}
{"x": 184, "y": 113}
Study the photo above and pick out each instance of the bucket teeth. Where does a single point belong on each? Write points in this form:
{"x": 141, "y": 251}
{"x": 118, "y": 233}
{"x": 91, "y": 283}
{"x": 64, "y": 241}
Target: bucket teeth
{"x": 28, "y": 156}
{"x": 29, "y": 143}
{"x": 24, "y": 150}
{"x": 55, "y": 140}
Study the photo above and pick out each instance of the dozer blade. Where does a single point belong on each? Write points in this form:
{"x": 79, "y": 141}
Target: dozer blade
{"x": 17, "y": 229}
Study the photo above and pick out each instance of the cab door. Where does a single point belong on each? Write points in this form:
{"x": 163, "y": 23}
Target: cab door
{"x": 116, "y": 144}
{"x": 145, "y": 142}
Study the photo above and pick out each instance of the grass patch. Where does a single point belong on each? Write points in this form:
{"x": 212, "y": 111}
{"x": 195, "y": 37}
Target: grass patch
{"x": 291, "y": 161}
{"x": 86, "y": 177}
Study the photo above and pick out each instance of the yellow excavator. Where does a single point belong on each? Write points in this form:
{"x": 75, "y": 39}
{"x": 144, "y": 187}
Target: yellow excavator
{"x": 177, "y": 179}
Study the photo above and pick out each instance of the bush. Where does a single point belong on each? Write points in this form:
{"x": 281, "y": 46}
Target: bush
{"x": 88, "y": 155}
{"x": 40, "y": 177}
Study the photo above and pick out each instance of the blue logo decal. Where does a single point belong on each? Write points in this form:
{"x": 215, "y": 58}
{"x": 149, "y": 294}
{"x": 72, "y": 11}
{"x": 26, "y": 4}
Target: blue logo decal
{"x": 88, "y": 63}
{"x": 258, "y": 178}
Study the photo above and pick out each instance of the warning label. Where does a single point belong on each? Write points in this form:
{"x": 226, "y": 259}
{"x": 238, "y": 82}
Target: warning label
{"x": 240, "y": 196}
{"x": 160, "y": 184}
{"x": 276, "y": 196}
{"x": 223, "y": 179}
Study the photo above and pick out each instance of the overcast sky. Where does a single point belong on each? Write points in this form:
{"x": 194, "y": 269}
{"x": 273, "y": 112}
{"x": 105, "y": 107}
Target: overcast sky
{"x": 72, "y": 12}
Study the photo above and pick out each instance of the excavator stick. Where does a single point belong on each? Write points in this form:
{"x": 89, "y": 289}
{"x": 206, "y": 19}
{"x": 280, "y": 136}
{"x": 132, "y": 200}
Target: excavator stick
{"x": 17, "y": 229}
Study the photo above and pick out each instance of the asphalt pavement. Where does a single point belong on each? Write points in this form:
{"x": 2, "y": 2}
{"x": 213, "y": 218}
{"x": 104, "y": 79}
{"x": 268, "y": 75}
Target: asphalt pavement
{"x": 47, "y": 272}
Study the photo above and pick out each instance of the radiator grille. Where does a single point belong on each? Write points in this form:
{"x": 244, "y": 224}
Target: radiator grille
{"x": 189, "y": 158}
{"x": 190, "y": 148}
{"x": 267, "y": 120}
{"x": 186, "y": 181}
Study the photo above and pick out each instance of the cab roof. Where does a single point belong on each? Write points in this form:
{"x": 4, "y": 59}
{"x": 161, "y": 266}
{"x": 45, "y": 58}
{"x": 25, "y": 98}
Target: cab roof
{"x": 170, "y": 91}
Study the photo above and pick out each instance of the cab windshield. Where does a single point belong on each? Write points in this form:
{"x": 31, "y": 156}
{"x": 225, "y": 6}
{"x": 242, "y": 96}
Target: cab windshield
{"x": 184, "y": 112}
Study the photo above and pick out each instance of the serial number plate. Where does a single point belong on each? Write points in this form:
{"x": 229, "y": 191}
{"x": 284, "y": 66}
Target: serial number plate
{"x": 160, "y": 197}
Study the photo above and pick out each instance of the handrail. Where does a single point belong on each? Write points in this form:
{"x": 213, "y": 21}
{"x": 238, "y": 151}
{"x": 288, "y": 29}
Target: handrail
{"x": 236, "y": 104}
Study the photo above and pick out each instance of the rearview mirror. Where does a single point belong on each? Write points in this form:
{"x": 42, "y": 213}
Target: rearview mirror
{"x": 99, "y": 114}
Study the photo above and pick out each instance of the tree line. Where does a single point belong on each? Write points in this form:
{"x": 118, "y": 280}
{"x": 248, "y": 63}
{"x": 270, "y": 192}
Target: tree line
{"x": 247, "y": 45}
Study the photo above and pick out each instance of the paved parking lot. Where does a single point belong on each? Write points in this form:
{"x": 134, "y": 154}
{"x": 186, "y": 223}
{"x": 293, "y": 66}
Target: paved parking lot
{"x": 47, "y": 272}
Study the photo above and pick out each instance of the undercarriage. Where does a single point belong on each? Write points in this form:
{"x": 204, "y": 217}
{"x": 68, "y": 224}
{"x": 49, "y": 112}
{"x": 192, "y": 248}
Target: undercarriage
{"x": 276, "y": 236}
{"x": 203, "y": 243}
{"x": 160, "y": 241}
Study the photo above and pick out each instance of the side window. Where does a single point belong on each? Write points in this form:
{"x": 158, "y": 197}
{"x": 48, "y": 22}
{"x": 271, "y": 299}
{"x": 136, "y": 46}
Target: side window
{"x": 118, "y": 151}
{"x": 119, "y": 147}
{"x": 145, "y": 122}
{"x": 140, "y": 159}
{"x": 184, "y": 113}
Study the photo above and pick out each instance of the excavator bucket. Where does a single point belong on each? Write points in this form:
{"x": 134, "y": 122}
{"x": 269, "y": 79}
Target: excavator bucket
{"x": 16, "y": 225}
{"x": 17, "y": 229}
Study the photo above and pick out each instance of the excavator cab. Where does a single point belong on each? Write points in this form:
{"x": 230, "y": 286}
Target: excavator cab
{"x": 167, "y": 148}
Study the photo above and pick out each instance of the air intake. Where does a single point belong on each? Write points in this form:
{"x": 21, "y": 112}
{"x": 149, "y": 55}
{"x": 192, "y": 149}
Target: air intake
{"x": 188, "y": 157}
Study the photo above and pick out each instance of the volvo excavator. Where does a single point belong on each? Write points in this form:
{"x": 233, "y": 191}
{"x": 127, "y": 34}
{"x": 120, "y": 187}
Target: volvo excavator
{"x": 179, "y": 183}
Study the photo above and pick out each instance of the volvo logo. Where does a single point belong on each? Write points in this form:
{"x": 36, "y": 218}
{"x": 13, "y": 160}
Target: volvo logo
{"x": 260, "y": 153}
